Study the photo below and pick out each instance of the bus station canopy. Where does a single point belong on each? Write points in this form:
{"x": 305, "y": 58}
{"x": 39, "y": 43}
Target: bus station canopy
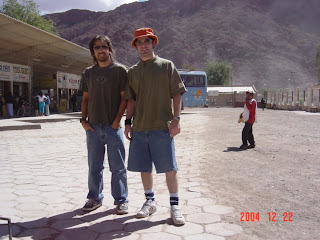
{"x": 45, "y": 53}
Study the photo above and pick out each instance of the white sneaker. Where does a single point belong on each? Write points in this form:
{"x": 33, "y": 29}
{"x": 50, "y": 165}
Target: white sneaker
{"x": 148, "y": 208}
{"x": 176, "y": 215}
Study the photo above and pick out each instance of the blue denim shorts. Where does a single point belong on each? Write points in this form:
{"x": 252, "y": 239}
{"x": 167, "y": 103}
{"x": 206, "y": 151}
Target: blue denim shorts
{"x": 152, "y": 147}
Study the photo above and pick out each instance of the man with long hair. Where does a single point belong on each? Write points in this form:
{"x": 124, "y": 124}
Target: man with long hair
{"x": 102, "y": 107}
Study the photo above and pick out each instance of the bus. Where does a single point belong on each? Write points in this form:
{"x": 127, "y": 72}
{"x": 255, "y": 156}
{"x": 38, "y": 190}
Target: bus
{"x": 196, "y": 85}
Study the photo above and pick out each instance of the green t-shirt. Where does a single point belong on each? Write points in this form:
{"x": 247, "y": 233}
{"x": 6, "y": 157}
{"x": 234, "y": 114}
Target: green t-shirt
{"x": 153, "y": 84}
{"x": 104, "y": 85}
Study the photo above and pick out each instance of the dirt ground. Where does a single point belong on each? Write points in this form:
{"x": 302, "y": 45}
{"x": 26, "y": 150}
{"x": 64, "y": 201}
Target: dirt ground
{"x": 279, "y": 179}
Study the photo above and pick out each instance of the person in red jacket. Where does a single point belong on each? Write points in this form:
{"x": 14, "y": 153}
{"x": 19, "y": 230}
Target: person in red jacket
{"x": 249, "y": 117}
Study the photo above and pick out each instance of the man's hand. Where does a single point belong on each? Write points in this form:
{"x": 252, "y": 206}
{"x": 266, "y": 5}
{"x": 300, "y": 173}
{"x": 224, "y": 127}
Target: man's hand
{"x": 87, "y": 126}
{"x": 174, "y": 128}
{"x": 115, "y": 125}
{"x": 128, "y": 132}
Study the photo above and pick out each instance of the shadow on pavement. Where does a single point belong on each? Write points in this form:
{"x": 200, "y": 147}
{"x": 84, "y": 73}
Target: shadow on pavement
{"x": 233, "y": 149}
{"x": 78, "y": 225}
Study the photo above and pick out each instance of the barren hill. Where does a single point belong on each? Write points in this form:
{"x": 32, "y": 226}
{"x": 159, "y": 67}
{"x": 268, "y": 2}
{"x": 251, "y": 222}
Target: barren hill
{"x": 270, "y": 43}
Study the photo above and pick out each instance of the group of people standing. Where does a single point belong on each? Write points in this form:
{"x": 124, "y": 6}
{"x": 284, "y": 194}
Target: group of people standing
{"x": 146, "y": 92}
{"x": 41, "y": 104}
{"x": 12, "y": 104}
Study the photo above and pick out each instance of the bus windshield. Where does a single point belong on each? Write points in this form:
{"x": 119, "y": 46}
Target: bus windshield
{"x": 193, "y": 80}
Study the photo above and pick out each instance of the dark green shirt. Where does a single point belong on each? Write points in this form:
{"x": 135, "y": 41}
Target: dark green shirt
{"x": 104, "y": 85}
{"x": 153, "y": 84}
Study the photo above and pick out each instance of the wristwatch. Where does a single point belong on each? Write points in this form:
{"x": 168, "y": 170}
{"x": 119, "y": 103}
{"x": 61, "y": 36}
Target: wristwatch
{"x": 176, "y": 117}
{"x": 83, "y": 120}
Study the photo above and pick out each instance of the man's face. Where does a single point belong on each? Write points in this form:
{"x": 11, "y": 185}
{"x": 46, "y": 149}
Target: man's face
{"x": 101, "y": 51}
{"x": 249, "y": 96}
{"x": 145, "y": 47}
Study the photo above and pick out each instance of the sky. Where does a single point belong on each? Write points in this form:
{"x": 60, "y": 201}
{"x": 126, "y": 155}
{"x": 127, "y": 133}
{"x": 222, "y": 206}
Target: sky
{"x": 50, "y": 6}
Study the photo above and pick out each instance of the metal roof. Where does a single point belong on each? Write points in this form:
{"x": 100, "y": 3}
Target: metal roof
{"x": 24, "y": 44}
{"x": 231, "y": 89}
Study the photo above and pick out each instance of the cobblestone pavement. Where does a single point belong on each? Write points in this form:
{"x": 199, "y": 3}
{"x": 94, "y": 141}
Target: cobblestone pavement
{"x": 43, "y": 185}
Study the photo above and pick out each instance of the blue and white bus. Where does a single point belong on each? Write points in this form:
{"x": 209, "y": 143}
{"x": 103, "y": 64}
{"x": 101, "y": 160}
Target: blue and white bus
{"x": 196, "y": 84}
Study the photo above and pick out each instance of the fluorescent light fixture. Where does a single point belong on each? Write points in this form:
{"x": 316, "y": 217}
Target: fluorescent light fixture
{"x": 36, "y": 59}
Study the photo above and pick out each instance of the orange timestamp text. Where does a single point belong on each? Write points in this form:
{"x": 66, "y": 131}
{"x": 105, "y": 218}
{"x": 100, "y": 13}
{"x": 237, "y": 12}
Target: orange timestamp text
{"x": 272, "y": 217}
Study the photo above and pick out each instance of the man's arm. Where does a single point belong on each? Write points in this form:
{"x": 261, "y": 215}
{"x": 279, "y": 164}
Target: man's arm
{"x": 130, "y": 111}
{"x": 174, "y": 127}
{"x": 122, "y": 108}
{"x": 84, "y": 111}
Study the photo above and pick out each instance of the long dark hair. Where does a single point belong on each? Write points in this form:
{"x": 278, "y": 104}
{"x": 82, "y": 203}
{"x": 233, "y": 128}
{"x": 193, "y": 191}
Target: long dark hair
{"x": 107, "y": 41}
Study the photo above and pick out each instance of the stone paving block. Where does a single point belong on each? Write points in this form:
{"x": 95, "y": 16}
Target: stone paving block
{"x": 188, "y": 184}
{"x": 52, "y": 194}
{"x": 36, "y": 223}
{"x": 5, "y": 197}
{"x": 188, "y": 209}
{"x": 59, "y": 207}
{"x": 203, "y": 218}
{"x": 31, "y": 206}
{"x": 39, "y": 234}
{"x": 201, "y": 202}
{"x": 32, "y": 214}
{"x": 127, "y": 218}
{"x": 160, "y": 236}
{"x": 73, "y": 223}
{"x": 56, "y": 200}
{"x": 119, "y": 235}
{"x": 218, "y": 209}
{"x": 185, "y": 230}
{"x": 165, "y": 218}
{"x": 204, "y": 236}
{"x": 106, "y": 226}
{"x": 54, "y": 217}
{"x": 78, "y": 234}
{"x": 144, "y": 226}
{"x": 26, "y": 187}
{"x": 189, "y": 195}
{"x": 223, "y": 229}
{"x": 24, "y": 181}
{"x": 200, "y": 189}
{"x": 29, "y": 199}
{"x": 52, "y": 188}
{"x": 103, "y": 213}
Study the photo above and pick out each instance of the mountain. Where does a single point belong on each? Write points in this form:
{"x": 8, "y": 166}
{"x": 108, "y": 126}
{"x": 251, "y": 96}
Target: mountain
{"x": 270, "y": 43}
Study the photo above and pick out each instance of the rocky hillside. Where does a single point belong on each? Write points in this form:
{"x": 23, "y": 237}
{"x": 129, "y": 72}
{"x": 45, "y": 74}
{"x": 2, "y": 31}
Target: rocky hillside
{"x": 270, "y": 43}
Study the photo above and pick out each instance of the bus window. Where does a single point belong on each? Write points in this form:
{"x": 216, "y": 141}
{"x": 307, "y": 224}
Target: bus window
{"x": 193, "y": 81}
{"x": 188, "y": 81}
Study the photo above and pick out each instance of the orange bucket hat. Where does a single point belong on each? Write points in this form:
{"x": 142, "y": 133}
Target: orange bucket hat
{"x": 144, "y": 32}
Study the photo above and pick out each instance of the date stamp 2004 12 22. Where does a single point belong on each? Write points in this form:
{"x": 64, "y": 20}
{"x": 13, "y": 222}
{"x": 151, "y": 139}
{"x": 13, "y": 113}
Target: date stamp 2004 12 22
{"x": 272, "y": 217}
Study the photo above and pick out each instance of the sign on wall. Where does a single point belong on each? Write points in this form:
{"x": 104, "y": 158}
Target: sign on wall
{"x": 14, "y": 72}
{"x": 68, "y": 80}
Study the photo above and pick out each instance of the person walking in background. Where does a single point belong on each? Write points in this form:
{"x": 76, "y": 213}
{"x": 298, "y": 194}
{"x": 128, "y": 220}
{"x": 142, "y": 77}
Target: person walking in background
{"x": 152, "y": 85}
{"x": 1, "y": 105}
{"x": 73, "y": 101}
{"x": 47, "y": 105}
{"x": 41, "y": 100}
{"x": 35, "y": 104}
{"x": 102, "y": 107}
{"x": 9, "y": 104}
{"x": 263, "y": 104}
{"x": 249, "y": 118}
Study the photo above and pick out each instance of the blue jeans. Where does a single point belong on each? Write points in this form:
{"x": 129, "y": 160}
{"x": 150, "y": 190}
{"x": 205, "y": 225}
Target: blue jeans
{"x": 96, "y": 140}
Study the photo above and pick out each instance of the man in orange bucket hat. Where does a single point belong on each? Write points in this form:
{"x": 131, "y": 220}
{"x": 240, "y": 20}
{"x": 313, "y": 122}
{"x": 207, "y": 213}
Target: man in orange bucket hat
{"x": 153, "y": 83}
